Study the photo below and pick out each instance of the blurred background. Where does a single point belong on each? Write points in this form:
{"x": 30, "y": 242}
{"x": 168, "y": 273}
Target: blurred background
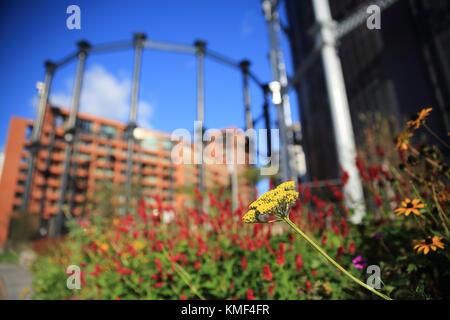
{"x": 322, "y": 72}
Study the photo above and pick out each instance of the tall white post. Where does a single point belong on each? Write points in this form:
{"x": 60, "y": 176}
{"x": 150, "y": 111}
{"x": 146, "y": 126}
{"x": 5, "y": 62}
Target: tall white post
{"x": 287, "y": 154}
{"x": 339, "y": 108}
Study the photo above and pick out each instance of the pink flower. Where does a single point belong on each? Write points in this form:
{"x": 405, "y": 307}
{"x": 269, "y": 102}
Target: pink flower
{"x": 359, "y": 262}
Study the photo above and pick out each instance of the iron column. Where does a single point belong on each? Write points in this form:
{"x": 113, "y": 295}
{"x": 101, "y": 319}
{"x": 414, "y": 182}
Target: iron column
{"x": 139, "y": 39}
{"x": 36, "y": 133}
{"x": 339, "y": 108}
{"x": 198, "y": 158}
{"x": 70, "y": 133}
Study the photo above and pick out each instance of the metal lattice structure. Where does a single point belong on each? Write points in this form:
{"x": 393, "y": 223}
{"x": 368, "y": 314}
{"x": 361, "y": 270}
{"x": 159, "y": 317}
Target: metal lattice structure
{"x": 139, "y": 44}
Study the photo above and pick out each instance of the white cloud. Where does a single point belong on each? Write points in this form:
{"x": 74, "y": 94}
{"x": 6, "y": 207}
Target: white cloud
{"x": 106, "y": 96}
{"x": 247, "y": 26}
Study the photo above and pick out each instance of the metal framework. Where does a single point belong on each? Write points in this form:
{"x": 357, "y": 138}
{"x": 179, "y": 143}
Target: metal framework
{"x": 139, "y": 43}
{"x": 328, "y": 33}
{"x": 288, "y": 157}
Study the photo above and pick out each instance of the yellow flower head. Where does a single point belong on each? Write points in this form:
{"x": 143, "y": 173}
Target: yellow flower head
{"x": 429, "y": 243}
{"x": 249, "y": 217}
{"x": 327, "y": 289}
{"x": 288, "y": 185}
{"x": 275, "y": 202}
{"x": 403, "y": 140}
{"x": 104, "y": 247}
{"x": 409, "y": 206}
{"x": 415, "y": 124}
{"x": 139, "y": 245}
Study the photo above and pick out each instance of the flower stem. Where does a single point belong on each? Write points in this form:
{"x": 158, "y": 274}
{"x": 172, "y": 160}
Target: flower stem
{"x": 337, "y": 265}
{"x": 436, "y": 136}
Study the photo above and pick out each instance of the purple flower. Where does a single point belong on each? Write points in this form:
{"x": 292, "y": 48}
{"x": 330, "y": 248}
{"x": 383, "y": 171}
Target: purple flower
{"x": 377, "y": 235}
{"x": 359, "y": 262}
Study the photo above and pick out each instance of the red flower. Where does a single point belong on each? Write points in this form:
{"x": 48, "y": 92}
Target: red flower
{"x": 280, "y": 256}
{"x": 122, "y": 271}
{"x": 244, "y": 263}
{"x": 158, "y": 265}
{"x": 291, "y": 237}
{"x": 267, "y": 272}
{"x": 341, "y": 250}
{"x": 97, "y": 271}
{"x": 197, "y": 265}
{"x": 183, "y": 297}
{"x": 351, "y": 247}
{"x": 324, "y": 239}
{"x": 231, "y": 285}
{"x": 298, "y": 262}
{"x": 159, "y": 284}
{"x": 271, "y": 288}
{"x": 314, "y": 272}
{"x": 250, "y": 295}
{"x": 378, "y": 201}
{"x": 344, "y": 227}
{"x": 141, "y": 211}
{"x": 308, "y": 286}
{"x": 123, "y": 229}
{"x": 380, "y": 151}
{"x": 344, "y": 177}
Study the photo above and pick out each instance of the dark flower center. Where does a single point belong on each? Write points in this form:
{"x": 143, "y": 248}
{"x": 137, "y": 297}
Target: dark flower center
{"x": 428, "y": 241}
{"x": 409, "y": 205}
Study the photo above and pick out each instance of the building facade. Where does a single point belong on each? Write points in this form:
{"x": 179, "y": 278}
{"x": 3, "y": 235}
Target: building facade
{"x": 99, "y": 162}
{"x": 394, "y": 71}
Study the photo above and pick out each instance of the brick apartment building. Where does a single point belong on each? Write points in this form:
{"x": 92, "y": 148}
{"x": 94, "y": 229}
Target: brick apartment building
{"x": 99, "y": 158}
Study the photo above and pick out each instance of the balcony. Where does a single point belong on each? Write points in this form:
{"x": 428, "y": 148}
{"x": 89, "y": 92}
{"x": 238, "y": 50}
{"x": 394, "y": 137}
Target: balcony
{"x": 56, "y": 170}
{"x": 52, "y": 195}
{"x": 58, "y": 157}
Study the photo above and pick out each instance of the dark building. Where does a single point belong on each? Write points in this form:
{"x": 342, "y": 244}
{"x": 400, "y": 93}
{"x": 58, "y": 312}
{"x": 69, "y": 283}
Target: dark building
{"x": 395, "y": 71}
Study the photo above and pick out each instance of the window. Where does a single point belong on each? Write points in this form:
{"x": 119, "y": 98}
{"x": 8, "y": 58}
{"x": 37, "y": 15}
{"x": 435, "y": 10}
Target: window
{"x": 85, "y": 156}
{"x": 167, "y": 145}
{"x": 149, "y": 157}
{"x": 84, "y": 126}
{"x": 108, "y": 132}
{"x": 151, "y": 179}
{"x": 150, "y": 144}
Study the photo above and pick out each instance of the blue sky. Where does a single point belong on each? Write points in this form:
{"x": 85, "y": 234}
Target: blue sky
{"x": 35, "y": 31}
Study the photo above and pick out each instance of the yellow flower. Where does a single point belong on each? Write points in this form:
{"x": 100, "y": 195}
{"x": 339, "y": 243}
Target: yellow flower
{"x": 415, "y": 124}
{"x": 429, "y": 243}
{"x": 409, "y": 206}
{"x": 276, "y": 202}
{"x": 442, "y": 196}
{"x": 104, "y": 247}
{"x": 116, "y": 221}
{"x": 403, "y": 140}
{"x": 288, "y": 185}
{"x": 139, "y": 244}
{"x": 249, "y": 217}
{"x": 326, "y": 289}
